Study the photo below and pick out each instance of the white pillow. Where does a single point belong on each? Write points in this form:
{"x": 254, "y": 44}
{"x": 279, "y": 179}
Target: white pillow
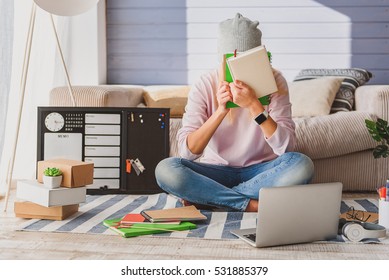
{"x": 313, "y": 97}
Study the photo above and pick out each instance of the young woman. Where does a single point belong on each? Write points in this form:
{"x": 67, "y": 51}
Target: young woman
{"x": 228, "y": 155}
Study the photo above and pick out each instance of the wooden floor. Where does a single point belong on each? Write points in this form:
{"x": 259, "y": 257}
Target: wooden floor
{"x": 42, "y": 246}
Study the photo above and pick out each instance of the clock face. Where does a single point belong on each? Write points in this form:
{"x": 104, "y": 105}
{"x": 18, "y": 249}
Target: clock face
{"x": 54, "y": 122}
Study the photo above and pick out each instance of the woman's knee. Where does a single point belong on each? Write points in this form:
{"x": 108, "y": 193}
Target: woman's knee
{"x": 164, "y": 169}
{"x": 304, "y": 168}
{"x": 301, "y": 169}
{"x": 163, "y": 166}
{"x": 168, "y": 174}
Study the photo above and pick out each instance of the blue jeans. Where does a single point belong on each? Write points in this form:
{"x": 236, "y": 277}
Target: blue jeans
{"x": 230, "y": 187}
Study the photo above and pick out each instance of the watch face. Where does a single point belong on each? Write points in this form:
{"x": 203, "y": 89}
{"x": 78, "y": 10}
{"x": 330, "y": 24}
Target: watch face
{"x": 262, "y": 117}
{"x": 54, "y": 122}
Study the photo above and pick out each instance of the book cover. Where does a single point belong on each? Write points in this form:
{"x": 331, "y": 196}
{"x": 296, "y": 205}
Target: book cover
{"x": 253, "y": 68}
{"x": 145, "y": 228}
{"x": 353, "y": 215}
{"x": 130, "y": 219}
{"x": 188, "y": 213}
{"x": 134, "y": 218}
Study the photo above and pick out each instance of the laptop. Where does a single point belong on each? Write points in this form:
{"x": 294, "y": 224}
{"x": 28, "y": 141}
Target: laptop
{"x": 295, "y": 214}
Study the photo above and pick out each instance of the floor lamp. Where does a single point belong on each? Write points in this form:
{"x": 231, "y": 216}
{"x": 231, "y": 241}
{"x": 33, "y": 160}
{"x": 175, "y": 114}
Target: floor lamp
{"x": 56, "y": 7}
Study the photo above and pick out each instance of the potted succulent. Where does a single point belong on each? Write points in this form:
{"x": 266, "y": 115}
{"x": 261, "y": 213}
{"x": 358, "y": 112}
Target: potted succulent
{"x": 52, "y": 177}
{"x": 379, "y": 131}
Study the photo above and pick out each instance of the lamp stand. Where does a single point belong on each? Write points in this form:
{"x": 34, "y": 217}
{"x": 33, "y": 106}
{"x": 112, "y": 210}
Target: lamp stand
{"x": 63, "y": 62}
{"x": 26, "y": 62}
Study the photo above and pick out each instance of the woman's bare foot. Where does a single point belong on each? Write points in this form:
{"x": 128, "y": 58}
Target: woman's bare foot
{"x": 252, "y": 206}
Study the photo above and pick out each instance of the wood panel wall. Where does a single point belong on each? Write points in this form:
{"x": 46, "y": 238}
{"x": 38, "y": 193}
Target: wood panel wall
{"x": 174, "y": 41}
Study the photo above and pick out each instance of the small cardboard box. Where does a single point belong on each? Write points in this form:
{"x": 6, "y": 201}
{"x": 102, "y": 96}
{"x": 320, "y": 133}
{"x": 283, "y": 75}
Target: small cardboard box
{"x": 75, "y": 173}
{"x": 33, "y": 191}
{"x": 29, "y": 210}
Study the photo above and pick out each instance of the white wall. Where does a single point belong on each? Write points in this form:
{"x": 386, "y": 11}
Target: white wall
{"x": 174, "y": 41}
{"x": 6, "y": 35}
{"x": 83, "y": 42}
{"x": 83, "y": 39}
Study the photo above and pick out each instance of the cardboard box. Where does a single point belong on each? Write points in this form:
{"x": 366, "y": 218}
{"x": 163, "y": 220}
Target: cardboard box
{"x": 29, "y": 210}
{"x": 38, "y": 193}
{"x": 75, "y": 173}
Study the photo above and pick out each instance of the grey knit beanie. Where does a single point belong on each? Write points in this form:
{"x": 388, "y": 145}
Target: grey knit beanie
{"x": 239, "y": 33}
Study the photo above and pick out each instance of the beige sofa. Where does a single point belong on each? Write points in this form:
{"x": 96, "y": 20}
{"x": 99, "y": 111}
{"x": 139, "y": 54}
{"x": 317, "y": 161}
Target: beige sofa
{"x": 339, "y": 144}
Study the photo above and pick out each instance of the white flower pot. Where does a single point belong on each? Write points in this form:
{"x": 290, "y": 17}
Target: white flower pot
{"x": 52, "y": 182}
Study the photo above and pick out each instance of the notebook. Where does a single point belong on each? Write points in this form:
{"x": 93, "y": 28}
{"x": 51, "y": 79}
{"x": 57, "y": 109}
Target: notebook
{"x": 253, "y": 68}
{"x": 134, "y": 218}
{"x": 295, "y": 214}
{"x": 188, "y": 213}
{"x": 145, "y": 228}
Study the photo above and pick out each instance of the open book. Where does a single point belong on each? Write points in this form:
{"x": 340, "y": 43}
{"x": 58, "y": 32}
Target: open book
{"x": 253, "y": 68}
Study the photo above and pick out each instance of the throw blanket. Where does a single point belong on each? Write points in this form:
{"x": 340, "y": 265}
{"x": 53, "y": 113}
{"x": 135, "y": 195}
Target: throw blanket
{"x": 218, "y": 225}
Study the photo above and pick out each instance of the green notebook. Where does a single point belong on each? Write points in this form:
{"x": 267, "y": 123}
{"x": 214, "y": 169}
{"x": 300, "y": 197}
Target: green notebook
{"x": 146, "y": 228}
{"x": 265, "y": 100}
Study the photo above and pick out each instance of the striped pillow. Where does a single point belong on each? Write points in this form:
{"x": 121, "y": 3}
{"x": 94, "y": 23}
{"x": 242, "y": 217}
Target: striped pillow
{"x": 353, "y": 78}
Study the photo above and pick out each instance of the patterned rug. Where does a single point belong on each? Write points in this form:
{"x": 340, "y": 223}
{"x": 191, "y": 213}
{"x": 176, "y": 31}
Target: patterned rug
{"x": 218, "y": 225}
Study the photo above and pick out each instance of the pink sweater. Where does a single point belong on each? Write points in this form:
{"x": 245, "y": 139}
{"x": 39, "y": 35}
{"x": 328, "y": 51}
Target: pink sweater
{"x": 239, "y": 140}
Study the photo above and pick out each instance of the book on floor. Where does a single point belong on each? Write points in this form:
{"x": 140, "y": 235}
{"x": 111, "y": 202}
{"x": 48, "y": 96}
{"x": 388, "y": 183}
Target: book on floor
{"x": 135, "y": 218}
{"x": 254, "y": 69}
{"x": 188, "y": 213}
{"x": 353, "y": 215}
{"x": 146, "y": 228}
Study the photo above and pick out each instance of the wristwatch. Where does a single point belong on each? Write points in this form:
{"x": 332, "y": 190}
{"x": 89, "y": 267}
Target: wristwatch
{"x": 261, "y": 117}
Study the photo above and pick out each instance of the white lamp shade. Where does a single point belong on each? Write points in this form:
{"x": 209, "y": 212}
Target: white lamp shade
{"x": 66, "y": 7}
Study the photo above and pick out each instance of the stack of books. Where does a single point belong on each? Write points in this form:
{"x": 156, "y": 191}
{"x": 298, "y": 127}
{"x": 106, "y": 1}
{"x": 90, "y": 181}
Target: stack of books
{"x": 156, "y": 221}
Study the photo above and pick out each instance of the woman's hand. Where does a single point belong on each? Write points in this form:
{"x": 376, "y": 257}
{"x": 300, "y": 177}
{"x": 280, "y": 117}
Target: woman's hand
{"x": 243, "y": 95}
{"x": 223, "y": 95}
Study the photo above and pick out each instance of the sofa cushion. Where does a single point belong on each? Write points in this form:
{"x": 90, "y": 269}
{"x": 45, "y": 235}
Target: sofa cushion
{"x": 318, "y": 137}
{"x": 97, "y": 96}
{"x": 353, "y": 78}
{"x": 173, "y": 97}
{"x": 357, "y": 171}
{"x": 313, "y": 97}
{"x": 333, "y": 135}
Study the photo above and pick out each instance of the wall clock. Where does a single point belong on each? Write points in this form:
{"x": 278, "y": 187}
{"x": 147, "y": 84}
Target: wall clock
{"x": 54, "y": 121}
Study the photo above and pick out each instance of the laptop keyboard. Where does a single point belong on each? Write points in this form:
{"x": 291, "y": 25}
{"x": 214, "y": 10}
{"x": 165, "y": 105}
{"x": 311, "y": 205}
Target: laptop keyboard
{"x": 251, "y": 236}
